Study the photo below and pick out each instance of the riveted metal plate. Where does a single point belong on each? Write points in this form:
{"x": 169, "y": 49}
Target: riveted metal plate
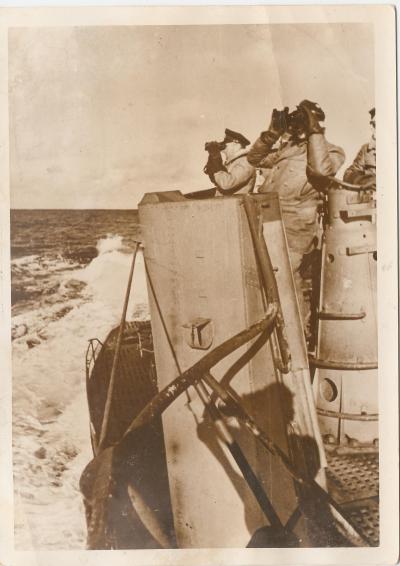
{"x": 353, "y": 481}
{"x": 364, "y": 515}
{"x": 353, "y": 476}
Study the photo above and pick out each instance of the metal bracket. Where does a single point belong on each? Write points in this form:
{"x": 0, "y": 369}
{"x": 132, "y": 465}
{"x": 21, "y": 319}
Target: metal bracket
{"x": 92, "y": 352}
{"x": 199, "y": 333}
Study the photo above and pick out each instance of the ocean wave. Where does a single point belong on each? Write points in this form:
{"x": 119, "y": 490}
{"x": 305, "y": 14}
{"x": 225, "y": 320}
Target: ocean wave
{"x": 50, "y": 416}
{"x": 107, "y": 275}
{"x": 45, "y": 290}
{"x": 24, "y": 260}
{"x": 109, "y": 244}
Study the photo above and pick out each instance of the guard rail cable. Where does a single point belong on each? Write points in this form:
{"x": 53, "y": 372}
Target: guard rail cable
{"x": 110, "y": 390}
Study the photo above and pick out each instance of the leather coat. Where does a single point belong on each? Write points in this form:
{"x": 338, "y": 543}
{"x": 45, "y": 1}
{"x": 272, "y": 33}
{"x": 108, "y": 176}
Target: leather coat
{"x": 239, "y": 176}
{"x": 296, "y": 170}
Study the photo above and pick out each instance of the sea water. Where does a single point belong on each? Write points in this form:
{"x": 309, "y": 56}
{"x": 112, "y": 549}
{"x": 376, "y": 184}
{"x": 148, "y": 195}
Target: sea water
{"x": 69, "y": 277}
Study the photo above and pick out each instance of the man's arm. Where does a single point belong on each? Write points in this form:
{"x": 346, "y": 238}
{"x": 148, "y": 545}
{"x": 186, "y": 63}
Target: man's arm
{"x": 356, "y": 173}
{"x": 229, "y": 182}
{"x": 261, "y": 153}
{"x": 323, "y": 159}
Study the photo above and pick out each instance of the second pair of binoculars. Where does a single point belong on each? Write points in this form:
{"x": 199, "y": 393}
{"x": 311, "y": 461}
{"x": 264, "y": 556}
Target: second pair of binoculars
{"x": 283, "y": 120}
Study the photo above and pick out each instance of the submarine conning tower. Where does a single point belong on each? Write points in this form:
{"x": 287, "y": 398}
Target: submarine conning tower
{"x": 346, "y": 367}
{"x": 213, "y": 438}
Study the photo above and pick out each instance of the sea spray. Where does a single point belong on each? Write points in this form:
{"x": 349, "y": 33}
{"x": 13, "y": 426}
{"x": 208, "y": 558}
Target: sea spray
{"x": 107, "y": 275}
{"x": 50, "y": 417}
{"x": 110, "y": 243}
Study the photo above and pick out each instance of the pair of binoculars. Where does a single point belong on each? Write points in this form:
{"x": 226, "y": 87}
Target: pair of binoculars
{"x": 297, "y": 119}
{"x": 221, "y": 145}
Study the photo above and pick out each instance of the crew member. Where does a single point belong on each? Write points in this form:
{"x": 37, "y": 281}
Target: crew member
{"x": 363, "y": 169}
{"x": 298, "y": 167}
{"x": 234, "y": 174}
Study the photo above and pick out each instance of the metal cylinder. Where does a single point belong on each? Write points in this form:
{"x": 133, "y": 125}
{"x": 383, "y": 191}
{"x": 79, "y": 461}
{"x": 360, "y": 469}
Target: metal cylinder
{"x": 346, "y": 361}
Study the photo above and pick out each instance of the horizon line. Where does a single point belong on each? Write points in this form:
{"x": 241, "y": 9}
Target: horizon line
{"x": 69, "y": 209}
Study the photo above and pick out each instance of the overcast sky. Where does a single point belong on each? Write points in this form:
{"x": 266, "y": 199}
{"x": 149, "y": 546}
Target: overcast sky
{"x": 101, "y": 115}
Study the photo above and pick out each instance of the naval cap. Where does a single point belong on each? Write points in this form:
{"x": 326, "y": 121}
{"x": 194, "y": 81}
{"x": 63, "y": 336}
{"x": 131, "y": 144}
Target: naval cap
{"x": 230, "y": 136}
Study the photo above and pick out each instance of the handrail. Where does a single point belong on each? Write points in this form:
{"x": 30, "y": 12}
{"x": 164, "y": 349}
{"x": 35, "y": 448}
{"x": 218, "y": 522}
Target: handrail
{"x": 168, "y": 394}
{"x": 347, "y": 185}
{"x": 229, "y": 397}
{"x": 268, "y": 280}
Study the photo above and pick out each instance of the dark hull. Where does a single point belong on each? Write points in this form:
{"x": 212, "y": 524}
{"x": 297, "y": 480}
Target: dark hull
{"x": 135, "y": 461}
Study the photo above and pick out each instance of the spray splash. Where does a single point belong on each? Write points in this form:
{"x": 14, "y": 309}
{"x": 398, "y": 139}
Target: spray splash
{"x": 50, "y": 417}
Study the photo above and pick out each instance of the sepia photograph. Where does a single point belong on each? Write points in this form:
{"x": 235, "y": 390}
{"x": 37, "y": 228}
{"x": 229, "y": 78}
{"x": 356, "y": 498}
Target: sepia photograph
{"x": 196, "y": 264}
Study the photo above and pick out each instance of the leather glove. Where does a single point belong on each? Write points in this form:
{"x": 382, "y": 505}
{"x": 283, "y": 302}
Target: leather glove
{"x": 213, "y": 148}
{"x": 213, "y": 165}
{"x": 277, "y": 126}
{"x": 313, "y": 115}
{"x": 278, "y": 123}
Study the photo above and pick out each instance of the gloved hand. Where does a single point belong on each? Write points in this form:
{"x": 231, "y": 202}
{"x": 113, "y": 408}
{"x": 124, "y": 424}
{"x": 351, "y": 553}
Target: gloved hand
{"x": 213, "y": 165}
{"x": 213, "y": 148}
{"x": 277, "y": 126}
{"x": 313, "y": 115}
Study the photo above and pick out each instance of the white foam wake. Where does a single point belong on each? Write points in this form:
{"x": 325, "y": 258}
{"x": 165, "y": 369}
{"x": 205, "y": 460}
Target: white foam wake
{"x": 51, "y": 434}
{"x": 107, "y": 276}
{"x": 109, "y": 244}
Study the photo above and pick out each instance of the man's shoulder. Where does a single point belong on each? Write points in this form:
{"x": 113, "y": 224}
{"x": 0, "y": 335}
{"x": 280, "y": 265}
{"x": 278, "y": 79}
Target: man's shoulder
{"x": 364, "y": 148}
{"x": 239, "y": 160}
{"x": 334, "y": 147}
{"x": 363, "y": 151}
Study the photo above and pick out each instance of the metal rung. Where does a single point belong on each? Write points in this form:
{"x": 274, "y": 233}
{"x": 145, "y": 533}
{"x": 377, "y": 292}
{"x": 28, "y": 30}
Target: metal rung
{"x": 355, "y": 250}
{"x": 328, "y": 364}
{"x": 348, "y": 416}
{"x": 361, "y": 205}
{"x": 337, "y": 315}
{"x": 358, "y": 212}
{"x": 364, "y": 206}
